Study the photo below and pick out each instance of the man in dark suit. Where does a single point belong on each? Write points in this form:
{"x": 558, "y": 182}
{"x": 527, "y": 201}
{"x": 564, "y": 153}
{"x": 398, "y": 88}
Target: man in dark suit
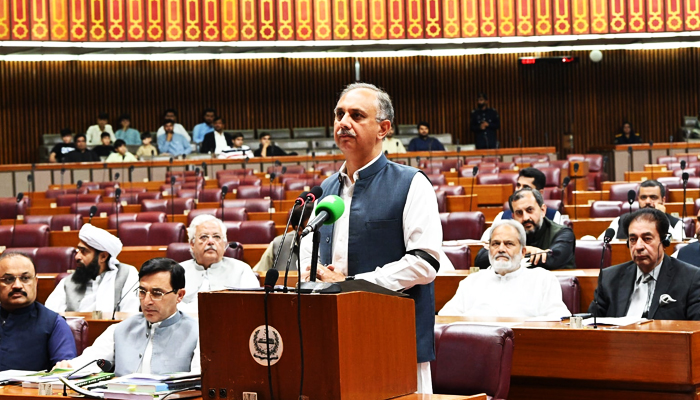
{"x": 652, "y": 285}
{"x": 217, "y": 141}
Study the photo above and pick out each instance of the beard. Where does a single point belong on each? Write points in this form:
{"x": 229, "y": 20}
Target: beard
{"x": 535, "y": 227}
{"x": 86, "y": 273}
{"x": 503, "y": 267}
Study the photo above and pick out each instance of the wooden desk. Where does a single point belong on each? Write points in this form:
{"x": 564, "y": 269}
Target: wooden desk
{"x": 593, "y": 226}
{"x": 16, "y": 392}
{"x": 658, "y": 360}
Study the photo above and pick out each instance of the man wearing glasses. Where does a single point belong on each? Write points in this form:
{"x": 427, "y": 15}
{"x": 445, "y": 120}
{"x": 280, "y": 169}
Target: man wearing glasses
{"x": 32, "y": 337}
{"x": 100, "y": 282}
{"x": 209, "y": 269}
{"x": 161, "y": 339}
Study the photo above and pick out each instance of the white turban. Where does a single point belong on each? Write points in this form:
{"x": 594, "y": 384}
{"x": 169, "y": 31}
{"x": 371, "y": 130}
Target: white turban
{"x": 101, "y": 240}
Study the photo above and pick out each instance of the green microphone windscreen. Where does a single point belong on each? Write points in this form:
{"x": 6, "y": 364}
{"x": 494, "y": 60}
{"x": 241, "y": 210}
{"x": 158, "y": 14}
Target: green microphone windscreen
{"x": 333, "y": 205}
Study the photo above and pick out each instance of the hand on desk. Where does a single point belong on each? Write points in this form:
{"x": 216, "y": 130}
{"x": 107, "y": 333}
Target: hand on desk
{"x": 65, "y": 364}
{"x": 323, "y": 274}
{"x": 536, "y": 258}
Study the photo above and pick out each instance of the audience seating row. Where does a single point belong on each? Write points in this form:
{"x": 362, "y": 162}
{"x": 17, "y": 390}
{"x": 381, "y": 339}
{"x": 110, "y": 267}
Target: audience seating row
{"x": 50, "y": 259}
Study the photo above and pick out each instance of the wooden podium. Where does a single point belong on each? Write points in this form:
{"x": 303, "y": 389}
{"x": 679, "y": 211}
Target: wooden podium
{"x": 357, "y": 345}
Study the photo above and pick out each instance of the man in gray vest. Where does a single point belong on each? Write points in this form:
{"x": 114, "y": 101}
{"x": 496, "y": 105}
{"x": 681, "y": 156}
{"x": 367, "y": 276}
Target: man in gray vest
{"x": 390, "y": 233}
{"x": 161, "y": 340}
{"x": 100, "y": 282}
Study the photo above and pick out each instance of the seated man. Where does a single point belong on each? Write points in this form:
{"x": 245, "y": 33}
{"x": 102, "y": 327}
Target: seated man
{"x": 200, "y": 130}
{"x": 100, "y": 282}
{"x": 506, "y": 289}
{"x": 146, "y": 149}
{"x": 528, "y": 208}
{"x": 178, "y": 129}
{"x": 652, "y": 285}
{"x": 209, "y": 269}
{"x": 106, "y": 148}
{"x": 81, "y": 152}
{"x": 217, "y": 140}
{"x": 391, "y": 145}
{"x": 172, "y": 143}
{"x": 94, "y": 133}
{"x": 534, "y": 179}
{"x": 267, "y": 148}
{"x": 159, "y": 340}
{"x": 32, "y": 337}
{"x": 63, "y": 148}
{"x": 652, "y": 194}
{"x": 129, "y": 135}
{"x": 424, "y": 142}
{"x": 121, "y": 153}
{"x": 238, "y": 149}
{"x": 267, "y": 261}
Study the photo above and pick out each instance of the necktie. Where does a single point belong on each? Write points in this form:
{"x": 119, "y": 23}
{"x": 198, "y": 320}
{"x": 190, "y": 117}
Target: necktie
{"x": 641, "y": 298}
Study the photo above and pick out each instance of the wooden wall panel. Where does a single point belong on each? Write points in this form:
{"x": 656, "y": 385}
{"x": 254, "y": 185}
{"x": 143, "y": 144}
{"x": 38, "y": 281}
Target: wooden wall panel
{"x": 651, "y": 88}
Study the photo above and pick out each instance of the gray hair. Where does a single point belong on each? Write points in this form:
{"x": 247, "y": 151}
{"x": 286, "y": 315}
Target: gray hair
{"x": 513, "y": 223}
{"x": 199, "y": 220}
{"x": 385, "y": 111}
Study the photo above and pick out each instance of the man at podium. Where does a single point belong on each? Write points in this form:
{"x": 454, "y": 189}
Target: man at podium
{"x": 390, "y": 233}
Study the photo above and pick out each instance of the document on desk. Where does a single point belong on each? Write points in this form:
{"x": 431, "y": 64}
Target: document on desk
{"x": 621, "y": 321}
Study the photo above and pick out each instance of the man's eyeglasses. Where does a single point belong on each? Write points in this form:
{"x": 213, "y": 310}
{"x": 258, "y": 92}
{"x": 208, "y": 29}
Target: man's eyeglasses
{"x": 9, "y": 280}
{"x": 205, "y": 238}
{"x": 155, "y": 293}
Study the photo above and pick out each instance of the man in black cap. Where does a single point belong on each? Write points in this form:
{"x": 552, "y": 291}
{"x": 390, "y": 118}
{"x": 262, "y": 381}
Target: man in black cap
{"x": 484, "y": 123}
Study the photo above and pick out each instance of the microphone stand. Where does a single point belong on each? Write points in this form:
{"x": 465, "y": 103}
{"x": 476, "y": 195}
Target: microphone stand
{"x": 685, "y": 186}
{"x": 172, "y": 197}
{"x": 295, "y": 247}
{"x": 117, "y": 194}
{"x": 14, "y": 223}
{"x": 670, "y": 140}
{"x": 631, "y": 158}
{"x": 575, "y": 192}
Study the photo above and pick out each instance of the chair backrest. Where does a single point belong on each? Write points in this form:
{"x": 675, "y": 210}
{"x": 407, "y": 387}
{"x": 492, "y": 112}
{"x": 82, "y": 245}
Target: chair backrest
{"x": 462, "y": 225}
{"x": 570, "y": 293}
{"x": 230, "y": 214}
{"x": 619, "y": 191}
{"x": 436, "y": 179}
{"x": 235, "y": 172}
{"x": 689, "y": 227}
{"x": 472, "y": 359}
{"x": 54, "y": 193}
{"x": 250, "y": 232}
{"x": 671, "y": 182}
{"x": 25, "y": 235}
{"x": 468, "y": 171}
{"x": 27, "y": 251}
{"x": 666, "y": 159}
{"x": 251, "y": 205}
{"x": 497, "y": 179}
{"x": 275, "y": 192}
{"x": 143, "y": 216}
{"x": 460, "y": 256}
{"x": 176, "y": 205}
{"x": 68, "y": 199}
{"x": 72, "y": 221}
{"x": 210, "y": 196}
{"x": 9, "y": 208}
{"x": 606, "y": 209}
{"x": 291, "y": 169}
{"x": 474, "y": 161}
{"x": 55, "y": 259}
{"x": 79, "y": 328}
{"x": 181, "y": 251}
{"x": 561, "y": 164}
{"x": 553, "y": 204}
{"x": 441, "y": 200}
{"x": 84, "y": 208}
{"x": 553, "y": 176}
{"x": 689, "y": 171}
{"x": 588, "y": 253}
{"x": 150, "y": 196}
{"x": 530, "y": 159}
{"x": 452, "y": 190}
{"x": 109, "y": 191}
{"x": 595, "y": 162}
{"x": 249, "y": 192}
{"x": 151, "y": 233}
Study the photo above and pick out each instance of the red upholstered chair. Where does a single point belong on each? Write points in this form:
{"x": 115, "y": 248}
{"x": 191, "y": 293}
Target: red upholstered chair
{"x": 451, "y": 190}
{"x": 170, "y": 190}
{"x": 180, "y": 174}
{"x": 176, "y": 205}
{"x": 570, "y": 293}
{"x": 541, "y": 164}
{"x": 181, "y": 251}
{"x": 551, "y": 193}
{"x": 437, "y": 179}
{"x": 199, "y": 185}
{"x": 234, "y": 172}
{"x": 553, "y": 176}
{"x": 249, "y": 192}
{"x": 134, "y": 233}
{"x": 54, "y": 193}
{"x": 588, "y": 253}
{"x": 472, "y": 359}
{"x": 671, "y": 182}
{"x": 9, "y": 208}
{"x": 27, "y": 251}
{"x": 210, "y": 195}
{"x": 56, "y": 222}
{"x": 442, "y": 201}
{"x": 666, "y": 160}
{"x": 251, "y": 205}
{"x": 530, "y": 159}
{"x": 606, "y": 209}
{"x": 619, "y": 191}
{"x": 164, "y": 233}
{"x": 25, "y": 235}
{"x": 230, "y": 181}
{"x": 55, "y": 259}
{"x": 79, "y": 328}
{"x": 497, "y": 179}
{"x": 230, "y": 214}
{"x": 432, "y": 171}
{"x": 250, "y": 232}
{"x": 462, "y": 225}
{"x": 143, "y": 216}
{"x": 150, "y": 196}
{"x": 690, "y": 171}
{"x": 689, "y": 227}
{"x": 291, "y": 169}
{"x": 297, "y": 184}
{"x": 109, "y": 191}
{"x": 474, "y": 161}
{"x": 68, "y": 199}
{"x": 84, "y": 208}
{"x": 110, "y": 184}
{"x": 250, "y": 180}
{"x": 324, "y": 168}
{"x": 460, "y": 256}
{"x": 187, "y": 193}
{"x": 275, "y": 192}
{"x": 561, "y": 164}
{"x": 91, "y": 186}
{"x": 467, "y": 171}
{"x": 506, "y": 165}
{"x": 555, "y": 204}
{"x": 673, "y": 166}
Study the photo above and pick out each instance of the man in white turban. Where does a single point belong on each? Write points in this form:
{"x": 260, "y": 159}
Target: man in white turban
{"x": 100, "y": 282}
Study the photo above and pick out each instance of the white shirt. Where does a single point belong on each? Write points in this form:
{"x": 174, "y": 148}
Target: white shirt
{"x": 103, "y": 348}
{"x": 99, "y": 294}
{"x": 422, "y": 230}
{"x": 227, "y": 273}
{"x": 94, "y": 135}
{"x": 392, "y": 146}
{"x": 675, "y": 231}
{"x": 487, "y": 233}
{"x": 178, "y": 129}
{"x": 116, "y": 157}
{"x": 523, "y": 293}
{"x": 221, "y": 144}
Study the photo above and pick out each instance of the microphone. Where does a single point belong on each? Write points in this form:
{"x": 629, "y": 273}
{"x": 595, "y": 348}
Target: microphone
{"x": 607, "y": 238}
{"x": 196, "y": 187}
{"x": 328, "y": 211}
{"x": 117, "y": 195}
{"x": 172, "y": 196}
{"x": 269, "y": 191}
{"x": 314, "y": 194}
{"x": 204, "y": 169}
{"x": 564, "y": 184}
{"x": 631, "y": 195}
{"x": 116, "y": 176}
{"x": 93, "y": 211}
{"x": 129, "y": 292}
{"x": 576, "y": 166}
{"x": 20, "y": 196}
{"x": 299, "y": 201}
{"x": 63, "y": 171}
{"x": 630, "y": 162}
{"x": 684, "y": 214}
{"x": 683, "y": 164}
{"x": 224, "y": 192}
{"x": 105, "y": 366}
{"x": 78, "y": 185}
{"x": 475, "y": 172}
{"x": 271, "y": 279}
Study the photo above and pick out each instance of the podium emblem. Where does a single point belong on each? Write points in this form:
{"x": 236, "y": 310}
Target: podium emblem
{"x": 259, "y": 345}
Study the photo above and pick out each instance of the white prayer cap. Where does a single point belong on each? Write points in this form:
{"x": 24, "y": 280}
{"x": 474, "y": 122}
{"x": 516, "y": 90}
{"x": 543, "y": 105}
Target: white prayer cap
{"x": 101, "y": 240}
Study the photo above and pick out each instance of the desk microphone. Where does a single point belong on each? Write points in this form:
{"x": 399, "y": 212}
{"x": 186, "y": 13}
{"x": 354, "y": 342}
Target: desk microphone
{"x": 224, "y": 192}
{"x": 574, "y": 191}
{"x": 630, "y": 162}
{"x": 607, "y": 238}
{"x": 63, "y": 171}
{"x": 78, "y": 185}
{"x": 20, "y": 196}
{"x": 631, "y": 195}
{"x": 683, "y": 163}
{"x": 105, "y": 366}
{"x": 131, "y": 175}
{"x": 93, "y": 211}
{"x": 196, "y": 186}
{"x": 475, "y": 172}
{"x": 564, "y": 184}
{"x": 684, "y": 214}
{"x": 117, "y": 195}
{"x": 172, "y": 197}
